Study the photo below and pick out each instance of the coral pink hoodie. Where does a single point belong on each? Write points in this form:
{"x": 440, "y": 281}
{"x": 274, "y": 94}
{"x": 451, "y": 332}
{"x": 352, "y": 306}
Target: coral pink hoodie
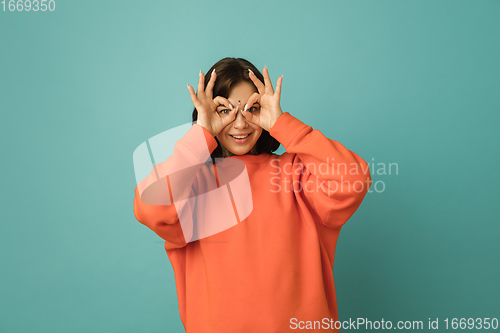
{"x": 272, "y": 270}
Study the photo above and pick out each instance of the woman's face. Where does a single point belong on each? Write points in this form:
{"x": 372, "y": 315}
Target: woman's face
{"x": 240, "y": 127}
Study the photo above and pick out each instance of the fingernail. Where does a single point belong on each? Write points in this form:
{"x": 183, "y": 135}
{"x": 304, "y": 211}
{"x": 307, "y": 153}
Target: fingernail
{"x": 231, "y": 106}
{"x": 250, "y": 71}
{"x": 212, "y": 72}
{"x": 200, "y": 72}
{"x": 246, "y": 107}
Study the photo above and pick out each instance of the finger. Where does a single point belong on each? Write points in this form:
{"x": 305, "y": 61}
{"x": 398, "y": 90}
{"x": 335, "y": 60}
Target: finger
{"x": 230, "y": 118}
{"x": 210, "y": 85}
{"x": 224, "y": 101}
{"x": 278, "y": 87}
{"x": 267, "y": 81}
{"x": 195, "y": 100}
{"x": 254, "y": 98}
{"x": 201, "y": 86}
{"x": 260, "y": 86}
{"x": 251, "y": 117}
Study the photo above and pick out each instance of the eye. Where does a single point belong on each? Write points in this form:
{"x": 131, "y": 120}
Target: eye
{"x": 253, "y": 109}
{"x": 224, "y": 111}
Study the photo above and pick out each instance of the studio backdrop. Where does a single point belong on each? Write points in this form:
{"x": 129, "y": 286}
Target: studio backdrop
{"x": 411, "y": 86}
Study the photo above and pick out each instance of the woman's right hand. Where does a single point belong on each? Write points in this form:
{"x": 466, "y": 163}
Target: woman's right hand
{"x": 208, "y": 117}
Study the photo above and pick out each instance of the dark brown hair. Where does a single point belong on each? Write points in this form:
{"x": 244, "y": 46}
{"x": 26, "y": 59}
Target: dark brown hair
{"x": 230, "y": 72}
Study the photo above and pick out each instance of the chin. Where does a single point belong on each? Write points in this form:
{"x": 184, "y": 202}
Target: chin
{"x": 240, "y": 151}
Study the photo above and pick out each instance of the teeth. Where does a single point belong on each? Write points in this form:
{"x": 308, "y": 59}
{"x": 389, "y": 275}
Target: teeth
{"x": 240, "y": 136}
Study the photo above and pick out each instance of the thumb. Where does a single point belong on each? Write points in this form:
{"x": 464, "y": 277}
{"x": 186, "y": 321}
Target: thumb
{"x": 229, "y": 118}
{"x": 250, "y": 117}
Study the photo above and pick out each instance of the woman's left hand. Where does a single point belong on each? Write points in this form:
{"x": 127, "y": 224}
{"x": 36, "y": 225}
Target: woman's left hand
{"x": 269, "y": 101}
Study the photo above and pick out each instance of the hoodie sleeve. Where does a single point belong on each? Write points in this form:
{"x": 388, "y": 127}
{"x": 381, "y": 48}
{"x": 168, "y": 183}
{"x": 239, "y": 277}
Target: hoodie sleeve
{"x": 333, "y": 179}
{"x": 160, "y": 197}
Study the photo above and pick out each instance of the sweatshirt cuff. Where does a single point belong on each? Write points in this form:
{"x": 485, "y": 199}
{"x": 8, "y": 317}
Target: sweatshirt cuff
{"x": 193, "y": 141}
{"x": 286, "y": 128}
{"x": 211, "y": 142}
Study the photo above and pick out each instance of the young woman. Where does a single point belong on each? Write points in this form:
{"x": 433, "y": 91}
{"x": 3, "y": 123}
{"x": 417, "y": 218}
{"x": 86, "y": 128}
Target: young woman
{"x": 271, "y": 269}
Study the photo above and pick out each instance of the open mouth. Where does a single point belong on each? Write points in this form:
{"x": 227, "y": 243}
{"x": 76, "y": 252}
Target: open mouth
{"x": 239, "y": 137}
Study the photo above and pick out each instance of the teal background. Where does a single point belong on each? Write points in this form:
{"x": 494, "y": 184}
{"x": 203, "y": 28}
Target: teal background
{"x": 409, "y": 82}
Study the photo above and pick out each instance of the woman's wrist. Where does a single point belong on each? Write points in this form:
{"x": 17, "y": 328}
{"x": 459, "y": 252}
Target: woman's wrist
{"x": 275, "y": 120}
{"x": 208, "y": 128}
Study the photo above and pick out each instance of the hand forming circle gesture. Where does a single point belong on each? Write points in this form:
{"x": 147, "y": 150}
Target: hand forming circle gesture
{"x": 269, "y": 101}
{"x": 207, "y": 106}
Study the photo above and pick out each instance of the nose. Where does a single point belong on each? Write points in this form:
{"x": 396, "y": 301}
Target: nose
{"x": 240, "y": 121}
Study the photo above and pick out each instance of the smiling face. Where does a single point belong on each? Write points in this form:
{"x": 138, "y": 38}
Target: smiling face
{"x": 240, "y": 136}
